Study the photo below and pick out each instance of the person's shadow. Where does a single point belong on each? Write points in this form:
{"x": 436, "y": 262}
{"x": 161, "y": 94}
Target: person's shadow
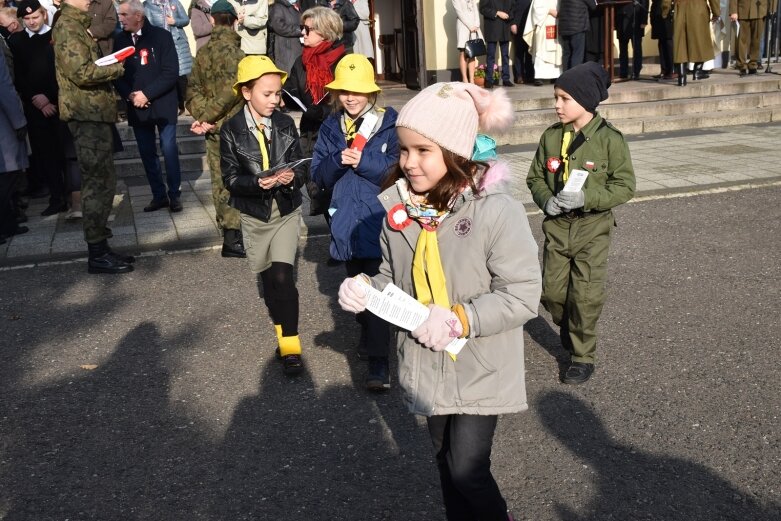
{"x": 632, "y": 484}
{"x": 543, "y": 334}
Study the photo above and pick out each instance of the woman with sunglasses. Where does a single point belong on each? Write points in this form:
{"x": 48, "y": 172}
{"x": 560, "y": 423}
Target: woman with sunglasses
{"x": 321, "y": 29}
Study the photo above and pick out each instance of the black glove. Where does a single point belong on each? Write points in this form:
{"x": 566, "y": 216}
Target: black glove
{"x": 315, "y": 112}
{"x": 21, "y": 133}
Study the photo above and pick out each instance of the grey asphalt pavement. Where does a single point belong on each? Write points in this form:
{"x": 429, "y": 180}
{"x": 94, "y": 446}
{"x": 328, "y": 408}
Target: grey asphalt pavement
{"x": 156, "y": 396}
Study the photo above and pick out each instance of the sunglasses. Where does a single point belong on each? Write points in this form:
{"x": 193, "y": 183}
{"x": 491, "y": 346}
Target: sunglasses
{"x": 305, "y": 29}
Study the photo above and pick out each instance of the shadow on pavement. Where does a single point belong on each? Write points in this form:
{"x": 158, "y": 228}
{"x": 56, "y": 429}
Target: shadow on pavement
{"x": 632, "y": 484}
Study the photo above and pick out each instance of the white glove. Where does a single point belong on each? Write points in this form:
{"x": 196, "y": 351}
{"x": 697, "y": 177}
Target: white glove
{"x": 439, "y": 329}
{"x": 571, "y": 200}
{"x": 352, "y": 297}
{"x": 552, "y": 207}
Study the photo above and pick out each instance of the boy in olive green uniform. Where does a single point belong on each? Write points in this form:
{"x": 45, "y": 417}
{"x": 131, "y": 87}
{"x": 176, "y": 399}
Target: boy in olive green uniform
{"x": 578, "y": 223}
{"x": 211, "y": 101}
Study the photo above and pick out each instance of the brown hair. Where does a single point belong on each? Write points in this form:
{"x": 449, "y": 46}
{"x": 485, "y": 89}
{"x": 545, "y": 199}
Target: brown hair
{"x": 461, "y": 172}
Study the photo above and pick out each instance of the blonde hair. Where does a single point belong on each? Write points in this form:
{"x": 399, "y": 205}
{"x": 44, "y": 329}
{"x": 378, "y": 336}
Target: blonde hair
{"x": 325, "y": 21}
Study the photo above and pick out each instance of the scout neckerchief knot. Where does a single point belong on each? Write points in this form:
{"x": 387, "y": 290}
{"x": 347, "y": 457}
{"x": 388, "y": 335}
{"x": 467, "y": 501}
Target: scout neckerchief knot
{"x": 428, "y": 275}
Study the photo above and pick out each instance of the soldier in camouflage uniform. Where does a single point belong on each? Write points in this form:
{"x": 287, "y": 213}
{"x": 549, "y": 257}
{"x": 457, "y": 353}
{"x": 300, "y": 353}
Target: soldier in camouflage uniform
{"x": 211, "y": 101}
{"x": 88, "y": 105}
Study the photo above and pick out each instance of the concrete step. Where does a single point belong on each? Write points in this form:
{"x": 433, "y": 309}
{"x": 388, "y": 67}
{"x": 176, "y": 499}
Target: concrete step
{"x": 648, "y": 90}
{"x": 662, "y": 108}
{"x": 633, "y": 126}
{"x": 189, "y": 163}
{"x": 187, "y": 145}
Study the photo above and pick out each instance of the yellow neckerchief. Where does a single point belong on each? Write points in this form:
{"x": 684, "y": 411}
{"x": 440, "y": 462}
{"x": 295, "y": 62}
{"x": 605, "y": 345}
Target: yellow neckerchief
{"x": 428, "y": 276}
{"x": 261, "y": 132}
{"x": 350, "y": 126}
{"x": 565, "y": 141}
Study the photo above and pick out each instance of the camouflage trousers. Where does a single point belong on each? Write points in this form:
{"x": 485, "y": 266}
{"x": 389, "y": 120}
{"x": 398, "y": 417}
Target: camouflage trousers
{"x": 95, "y": 153}
{"x": 228, "y": 218}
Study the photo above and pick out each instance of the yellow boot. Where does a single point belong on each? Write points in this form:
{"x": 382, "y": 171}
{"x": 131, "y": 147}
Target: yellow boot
{"x": 290, "y": 353}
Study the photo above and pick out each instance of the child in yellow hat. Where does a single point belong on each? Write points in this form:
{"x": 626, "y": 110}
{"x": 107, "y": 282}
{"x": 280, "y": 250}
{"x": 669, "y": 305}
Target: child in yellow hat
{"x": 355, "y": 149}
{"x": 255, "y": 146}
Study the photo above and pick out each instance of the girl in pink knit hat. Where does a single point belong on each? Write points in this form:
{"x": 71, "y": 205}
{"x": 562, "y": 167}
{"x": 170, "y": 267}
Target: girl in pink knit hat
{"x": 457, "y": 241}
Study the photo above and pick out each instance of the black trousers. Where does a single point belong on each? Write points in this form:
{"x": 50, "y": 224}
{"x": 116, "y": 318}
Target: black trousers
{"x": 462, "y": 445}
{"x": 7, "y": 208}
{"x": 46, "y": 158}
{"x": 375, "y": 332}
{"x": 523, "y": 64}
{"x": 666, "y": 55}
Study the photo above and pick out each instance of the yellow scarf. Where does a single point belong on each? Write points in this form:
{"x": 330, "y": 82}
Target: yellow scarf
{"x": 565, "y": 141}
{"x": 260, "y": 134}
{"x": 427, "y": 272}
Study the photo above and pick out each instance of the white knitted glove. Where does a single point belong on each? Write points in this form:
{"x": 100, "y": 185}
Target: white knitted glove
{"x": 439, "y": 329}
{"x": 571, "y": 200}
{"x": 552, "y": 207}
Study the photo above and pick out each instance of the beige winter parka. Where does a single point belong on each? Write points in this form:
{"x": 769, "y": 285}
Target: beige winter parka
{"x": 490, "y": 261}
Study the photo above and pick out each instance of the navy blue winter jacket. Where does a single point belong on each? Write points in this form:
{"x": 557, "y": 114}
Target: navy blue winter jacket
{"x": 356, "y": 212}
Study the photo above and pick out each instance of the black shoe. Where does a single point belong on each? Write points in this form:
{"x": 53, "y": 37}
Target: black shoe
{"x": 742, "y": 72}
{"x": 19, "y": 230}
{"x": 55, "y": 208}
{"x": 21, "y": 218}
{"x": 378, "y": 377}
{"x": 156, "y": 205}
{"x": 291, "y": 364}
{"x": 702, "y": 75}
{"x": 233, "y": 244}
{"x": 635, "y": 77}
{"x": 578, "y": 373}
{"x": 752, "y": 71}
{"x": 103, "y": 260}
{"x": 538, "y": 83}
{"x": 658, "y": 76}
{"x": 176, "y": 205}
{"x": 508, "y": 84}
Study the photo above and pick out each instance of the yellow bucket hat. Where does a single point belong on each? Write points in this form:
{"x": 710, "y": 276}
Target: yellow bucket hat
{"x": 253, "y": 67}
{"x": 354, "y": 73}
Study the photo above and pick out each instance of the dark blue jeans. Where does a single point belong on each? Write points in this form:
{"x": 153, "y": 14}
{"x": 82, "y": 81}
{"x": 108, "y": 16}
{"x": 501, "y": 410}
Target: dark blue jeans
{"x": 504, "y": 48}
{"x": 573, "y": 49}
{"x": 145, "y": 138}
{"x": 462, "y": 446}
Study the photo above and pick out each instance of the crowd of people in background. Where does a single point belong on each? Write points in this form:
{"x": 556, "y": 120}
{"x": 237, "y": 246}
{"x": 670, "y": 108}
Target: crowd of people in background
{"x": 552, "y": 36}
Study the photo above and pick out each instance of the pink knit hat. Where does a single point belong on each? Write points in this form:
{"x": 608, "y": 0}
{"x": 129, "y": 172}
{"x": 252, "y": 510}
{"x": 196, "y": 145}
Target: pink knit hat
{"x": 450, "y": 114}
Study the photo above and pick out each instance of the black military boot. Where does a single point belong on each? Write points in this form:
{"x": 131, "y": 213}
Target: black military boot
{"x": 103, "y": 260}
{"x": 681, "y": 74}
{"x": 233, "y": 244}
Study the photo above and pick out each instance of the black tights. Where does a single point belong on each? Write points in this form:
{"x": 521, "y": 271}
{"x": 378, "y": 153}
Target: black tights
{"x": 278, "y": 288}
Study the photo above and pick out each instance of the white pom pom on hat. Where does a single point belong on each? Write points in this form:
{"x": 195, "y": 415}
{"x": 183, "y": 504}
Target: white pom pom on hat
{"x": 450, "y": 114}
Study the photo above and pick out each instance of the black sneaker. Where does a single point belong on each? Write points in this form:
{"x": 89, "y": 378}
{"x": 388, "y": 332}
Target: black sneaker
{"x": 578, "y": 373}
{"x": 291, "y": 364}
{"x": 378, "y": 377}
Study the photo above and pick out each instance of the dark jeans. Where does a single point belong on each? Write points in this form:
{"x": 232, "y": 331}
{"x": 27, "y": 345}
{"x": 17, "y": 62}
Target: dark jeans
{"x": 504, "y": 48}
{"x": 145, "y": 137}
{"x": 637, "y": 54}
{"x": 523, "y": 64}
{"x": 462, "y": 446}
{"x": 375, "y": 332}
{"x": 573, "y": 49}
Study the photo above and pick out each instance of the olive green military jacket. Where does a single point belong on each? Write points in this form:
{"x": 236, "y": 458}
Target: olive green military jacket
{"x": 604, "y": 155}
{"x": 86, "y": 93}
{"x": 210, "y": 96}
{"x": 748, "y": 9}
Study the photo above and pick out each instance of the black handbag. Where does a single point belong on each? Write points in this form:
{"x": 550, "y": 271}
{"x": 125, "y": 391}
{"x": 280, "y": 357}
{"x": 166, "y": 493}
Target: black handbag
{"x": 475, "y": 48}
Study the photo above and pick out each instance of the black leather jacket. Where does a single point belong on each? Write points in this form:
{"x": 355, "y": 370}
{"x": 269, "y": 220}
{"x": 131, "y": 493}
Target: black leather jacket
{"x": 242, "y": 166}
